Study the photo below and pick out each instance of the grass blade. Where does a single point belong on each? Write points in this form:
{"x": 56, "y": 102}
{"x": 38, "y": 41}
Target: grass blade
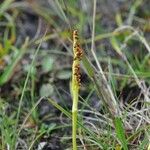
{"x": 120, "y": 132}
{"x": 9, "y": 69}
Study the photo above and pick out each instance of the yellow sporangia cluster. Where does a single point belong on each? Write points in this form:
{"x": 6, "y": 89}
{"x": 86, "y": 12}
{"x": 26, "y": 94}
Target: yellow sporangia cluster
{"x": 78, "y": 53}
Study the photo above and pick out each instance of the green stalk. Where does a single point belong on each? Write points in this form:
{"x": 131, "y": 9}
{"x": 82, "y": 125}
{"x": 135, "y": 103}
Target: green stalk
{"x": 75, "y": 93}
{"x": 77, "y": 51}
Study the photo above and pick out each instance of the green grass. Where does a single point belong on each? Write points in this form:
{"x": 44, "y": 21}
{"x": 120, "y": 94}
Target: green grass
{"x": 115, "y": 59}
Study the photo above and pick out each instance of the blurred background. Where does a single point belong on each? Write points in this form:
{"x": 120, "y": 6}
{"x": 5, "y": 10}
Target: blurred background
{"x": 36, "y": 59}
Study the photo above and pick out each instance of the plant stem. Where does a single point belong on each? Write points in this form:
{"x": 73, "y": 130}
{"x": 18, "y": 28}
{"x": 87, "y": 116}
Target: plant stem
{"x": 74, "y": 129}
{"x": 77, "y": 51}
{"x": 75, "y": 91}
